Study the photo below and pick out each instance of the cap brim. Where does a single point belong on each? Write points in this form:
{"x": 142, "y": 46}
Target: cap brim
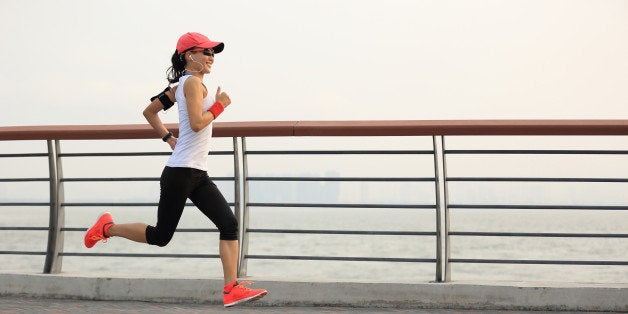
{"x": 216, "y": 46}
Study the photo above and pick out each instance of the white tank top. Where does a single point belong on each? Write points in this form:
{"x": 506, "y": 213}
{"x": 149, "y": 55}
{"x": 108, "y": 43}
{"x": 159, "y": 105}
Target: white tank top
{"x": 192, "y": 147}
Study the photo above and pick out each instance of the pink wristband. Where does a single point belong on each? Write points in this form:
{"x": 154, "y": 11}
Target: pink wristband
{"x": 216, "y": 109}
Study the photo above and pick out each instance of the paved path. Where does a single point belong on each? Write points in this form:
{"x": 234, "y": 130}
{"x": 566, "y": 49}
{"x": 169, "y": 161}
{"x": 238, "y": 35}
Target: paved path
{"x": 30, "y": 305}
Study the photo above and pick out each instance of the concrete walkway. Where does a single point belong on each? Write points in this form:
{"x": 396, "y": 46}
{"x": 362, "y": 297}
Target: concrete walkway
{"x": 31, "y": 305}
{"x": 381, "y": 297}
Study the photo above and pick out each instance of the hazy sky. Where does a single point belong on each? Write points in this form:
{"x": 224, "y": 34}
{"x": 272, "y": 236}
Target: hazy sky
{"x": 98, "y": 62}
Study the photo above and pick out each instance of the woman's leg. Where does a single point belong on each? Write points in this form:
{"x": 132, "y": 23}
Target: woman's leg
{"x": 229, "y": 259}
{"x": 175, "y": 184}
{"x": 210, "y": 201}
{"x": 132, "y": 231}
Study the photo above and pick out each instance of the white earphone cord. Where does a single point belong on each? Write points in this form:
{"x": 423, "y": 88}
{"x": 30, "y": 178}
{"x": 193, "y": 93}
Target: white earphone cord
{"x": 202, "y": 66}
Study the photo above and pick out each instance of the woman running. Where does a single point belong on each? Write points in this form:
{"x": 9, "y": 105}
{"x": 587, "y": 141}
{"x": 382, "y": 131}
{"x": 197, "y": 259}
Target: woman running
{"x": 185, "y": 174}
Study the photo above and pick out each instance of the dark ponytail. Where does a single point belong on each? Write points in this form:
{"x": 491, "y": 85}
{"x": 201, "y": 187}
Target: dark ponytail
{"x": 177, "y": 70}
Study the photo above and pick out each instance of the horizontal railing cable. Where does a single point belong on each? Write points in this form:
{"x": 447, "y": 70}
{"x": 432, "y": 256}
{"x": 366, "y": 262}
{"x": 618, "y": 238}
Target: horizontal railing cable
{"x": 173, "y": 255}
{"x": 134, "y": 154}
{"x": 22, "y": 253}
{"x": 24, "y": 203}
{"x": 549, "y": 207}
{"x": 516, "y": 179}
{"x": 340, "y": 205}
{"x": 132, "y": 179}
{"x": 538, "y": 262}
{"x": 345, "y": 179}
{"x": 341, "y": 258}
{"x": 24, "y": 179}
{"x": 535, "y": 152}
{"x": 538, "y": 234}
{"x": 77, "y": 229}
{"x": 347, "y": 232}
{"x": 24, "y": 228}
{"x": 120, "y": 204}
{"x": 339, "y": 152}
{"x": 22, "y": 155}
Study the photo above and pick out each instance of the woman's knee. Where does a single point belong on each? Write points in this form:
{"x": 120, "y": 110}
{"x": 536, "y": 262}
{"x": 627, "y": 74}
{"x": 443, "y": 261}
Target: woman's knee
{"x": 229, "y": 229}
{"x": 158, "y": 237}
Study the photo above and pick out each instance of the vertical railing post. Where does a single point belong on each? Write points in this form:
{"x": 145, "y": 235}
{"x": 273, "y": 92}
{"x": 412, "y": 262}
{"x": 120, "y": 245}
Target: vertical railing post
{"x": 437, "y": 196}
{"x": 236, "y": 190}
{"x": 443, "y": 271}
{"x": 244, "y": 225}
{"x": 56, "y": 217}
{"x": 447, "y": 241}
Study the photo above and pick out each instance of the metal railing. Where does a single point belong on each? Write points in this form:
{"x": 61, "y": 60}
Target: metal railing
{"x": 550, "y": 207}
{"x": 248, "y": 205}
{"x": 241, "y": 179}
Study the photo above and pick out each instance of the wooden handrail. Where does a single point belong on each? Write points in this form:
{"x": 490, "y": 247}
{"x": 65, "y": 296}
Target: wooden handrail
{"x": 329, "y": 128}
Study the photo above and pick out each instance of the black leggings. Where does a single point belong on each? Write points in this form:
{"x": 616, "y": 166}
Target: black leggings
{"x": 179, "y": 184}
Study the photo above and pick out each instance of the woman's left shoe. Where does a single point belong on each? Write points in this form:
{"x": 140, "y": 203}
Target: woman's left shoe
{"x": 237, "y": 293}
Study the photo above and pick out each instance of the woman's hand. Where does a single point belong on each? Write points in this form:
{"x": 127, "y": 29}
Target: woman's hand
{"x": 222, "y": 98}
{"x": 172, "y": 141}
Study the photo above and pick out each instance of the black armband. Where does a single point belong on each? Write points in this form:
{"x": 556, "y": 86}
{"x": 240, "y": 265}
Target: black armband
{"x": 164, "y": 99}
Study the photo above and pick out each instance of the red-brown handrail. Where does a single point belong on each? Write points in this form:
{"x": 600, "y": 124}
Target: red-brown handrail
{"x": 329, "y": 128}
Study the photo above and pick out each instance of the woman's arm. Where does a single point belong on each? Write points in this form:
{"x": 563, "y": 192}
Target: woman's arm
{"x": 194, "y": 94}
{"x": 151, "y": 113}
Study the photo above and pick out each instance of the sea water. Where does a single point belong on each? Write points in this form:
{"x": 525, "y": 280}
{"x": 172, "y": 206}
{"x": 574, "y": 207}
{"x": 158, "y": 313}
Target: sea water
{"x": 386, "y": 246}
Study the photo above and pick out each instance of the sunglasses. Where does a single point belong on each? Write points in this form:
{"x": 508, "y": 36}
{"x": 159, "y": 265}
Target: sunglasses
{"x": 207, "y": 51}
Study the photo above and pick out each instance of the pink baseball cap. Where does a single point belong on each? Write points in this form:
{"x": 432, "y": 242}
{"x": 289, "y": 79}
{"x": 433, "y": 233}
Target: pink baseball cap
{"x": 190, "y": 40}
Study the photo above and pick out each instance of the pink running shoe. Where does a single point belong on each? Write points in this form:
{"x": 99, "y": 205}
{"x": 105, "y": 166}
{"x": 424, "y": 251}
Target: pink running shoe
{"x": 236, "y": 293}
{"x": 99, "y": 231}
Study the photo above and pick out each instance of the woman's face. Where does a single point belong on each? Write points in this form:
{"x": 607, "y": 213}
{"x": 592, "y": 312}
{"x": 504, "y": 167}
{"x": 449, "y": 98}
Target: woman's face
{"x": 201, "y": 60}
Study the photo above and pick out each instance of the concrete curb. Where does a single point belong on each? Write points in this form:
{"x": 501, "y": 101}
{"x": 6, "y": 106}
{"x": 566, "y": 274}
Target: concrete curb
{"x": 284, "y": 292}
